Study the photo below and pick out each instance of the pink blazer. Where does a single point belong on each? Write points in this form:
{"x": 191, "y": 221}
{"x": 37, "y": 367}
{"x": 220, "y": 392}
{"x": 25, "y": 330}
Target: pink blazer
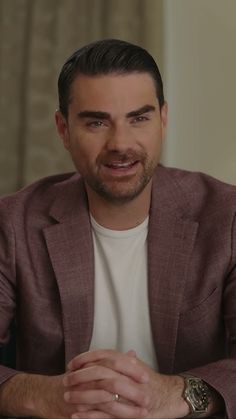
{"x": 47, "y": 276}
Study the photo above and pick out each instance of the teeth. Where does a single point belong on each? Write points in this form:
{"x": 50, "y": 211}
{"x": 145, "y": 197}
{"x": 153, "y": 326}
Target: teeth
{"x": 120, "y": 165}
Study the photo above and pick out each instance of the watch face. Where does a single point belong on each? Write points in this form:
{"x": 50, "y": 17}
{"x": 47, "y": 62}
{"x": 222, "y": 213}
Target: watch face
{"x": 197, "y": 395}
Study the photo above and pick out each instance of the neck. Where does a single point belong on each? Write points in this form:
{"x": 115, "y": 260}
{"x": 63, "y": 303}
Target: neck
{"x": 119, "y": 217}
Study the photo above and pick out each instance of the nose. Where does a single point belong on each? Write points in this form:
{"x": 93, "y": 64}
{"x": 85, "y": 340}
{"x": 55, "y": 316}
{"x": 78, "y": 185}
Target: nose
{"x": 119, "y": 138}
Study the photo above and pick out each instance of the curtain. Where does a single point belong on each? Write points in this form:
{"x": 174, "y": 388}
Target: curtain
{"x": 36, "y": 37}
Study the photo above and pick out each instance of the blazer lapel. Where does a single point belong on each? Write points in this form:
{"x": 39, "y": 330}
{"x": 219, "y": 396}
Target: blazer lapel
{"x": 70, "y": 248}
{"x": 170, "y": 242}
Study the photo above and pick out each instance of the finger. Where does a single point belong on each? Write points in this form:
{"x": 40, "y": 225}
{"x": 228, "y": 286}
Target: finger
{"x": 85, "y": 407}
{"x": 123, "y": 411}
{"x": 88, "y": 397}
{"x": 92, "y": 414}
{"x": 132, "y": 353}
{"x": 127, "y": 366}
{"x": 87, "y": 374}
{"x": 106, "y": 380}
{"x": 127, "y": 390}
{"x": 122, "y": 363}
{"x": 90, "y": 356}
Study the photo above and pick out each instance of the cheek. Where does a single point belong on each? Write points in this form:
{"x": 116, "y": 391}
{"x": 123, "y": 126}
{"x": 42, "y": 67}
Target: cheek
{"x": 153, "y": 142}
{"x": 84, "y": 155}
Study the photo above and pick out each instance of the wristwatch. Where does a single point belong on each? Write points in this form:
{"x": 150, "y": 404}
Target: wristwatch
{"x": 196, "y": 394}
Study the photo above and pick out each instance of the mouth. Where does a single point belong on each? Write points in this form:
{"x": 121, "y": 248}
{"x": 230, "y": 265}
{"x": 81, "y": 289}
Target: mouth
{"x": 118, "y": 168}
{"x": 121, "y": 165}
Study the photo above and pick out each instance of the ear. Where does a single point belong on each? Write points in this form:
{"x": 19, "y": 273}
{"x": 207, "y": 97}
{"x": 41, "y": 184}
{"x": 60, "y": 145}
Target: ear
{"x": 62, "y": 128}
{"x": 164, "y": 118}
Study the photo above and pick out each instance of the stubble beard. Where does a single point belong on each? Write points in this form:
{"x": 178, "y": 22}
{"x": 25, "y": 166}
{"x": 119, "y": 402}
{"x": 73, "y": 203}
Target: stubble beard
{"x": 122, "y": 190}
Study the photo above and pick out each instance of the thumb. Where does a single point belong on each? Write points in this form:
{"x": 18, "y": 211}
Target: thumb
{"x": 131, "y": 353}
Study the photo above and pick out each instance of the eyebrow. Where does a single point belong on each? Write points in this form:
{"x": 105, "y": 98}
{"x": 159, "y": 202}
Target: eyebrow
{"x": 106, "y": 115}
{"x": 141, "y": 111}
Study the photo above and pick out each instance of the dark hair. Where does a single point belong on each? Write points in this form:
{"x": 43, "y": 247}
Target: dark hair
{"x": 105, "y": 57}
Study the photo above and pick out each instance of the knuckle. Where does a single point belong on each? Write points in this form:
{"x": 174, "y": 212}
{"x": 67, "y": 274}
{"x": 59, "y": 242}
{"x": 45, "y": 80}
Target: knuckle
{"x": 69, "y": 380}
{"x": 69, "y": 396}
{"x": 112, "y": 386}
{"x": 104, "y": 396}
{"x": 116, "y": 364}
{"x": 143, "y": 398}
{"x": 101, "y": 370}
{"x": 106, "y": 385}
{"x": 141, "y": 413}
{"x": 146, "y": 400}
{"x": 101, "y": 353}
{"x": 133, "y": 361}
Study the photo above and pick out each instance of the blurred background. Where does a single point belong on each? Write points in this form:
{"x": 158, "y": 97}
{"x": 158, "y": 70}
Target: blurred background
{"x": 193, "y": 42}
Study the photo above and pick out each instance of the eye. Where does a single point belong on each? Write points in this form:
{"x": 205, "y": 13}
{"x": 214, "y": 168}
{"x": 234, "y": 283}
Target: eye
{"x": 95, "y": 124}
{"x": 140, "y": 118}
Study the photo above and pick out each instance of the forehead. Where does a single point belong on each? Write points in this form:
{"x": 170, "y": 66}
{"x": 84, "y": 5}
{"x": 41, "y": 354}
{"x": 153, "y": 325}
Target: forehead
{"x": 103, "y": 92}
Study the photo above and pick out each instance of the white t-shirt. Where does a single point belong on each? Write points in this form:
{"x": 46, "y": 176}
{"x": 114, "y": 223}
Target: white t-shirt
{"x": 121, "y": 317}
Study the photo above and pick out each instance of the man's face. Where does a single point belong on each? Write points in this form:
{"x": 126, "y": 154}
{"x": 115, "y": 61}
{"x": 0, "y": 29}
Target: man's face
{"x": 114, "y": 133}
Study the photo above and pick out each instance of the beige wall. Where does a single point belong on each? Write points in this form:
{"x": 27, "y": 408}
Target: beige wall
{"x": 36, "y": 37}
{"x": 200, "y": 77}
{"x": 192, "y": 40}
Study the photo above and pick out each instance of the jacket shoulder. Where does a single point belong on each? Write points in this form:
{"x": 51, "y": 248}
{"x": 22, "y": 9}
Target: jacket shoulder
{"x": 201, "y": 191}
{"x": 199, "y": 182}
{"x": 41, "y": 193}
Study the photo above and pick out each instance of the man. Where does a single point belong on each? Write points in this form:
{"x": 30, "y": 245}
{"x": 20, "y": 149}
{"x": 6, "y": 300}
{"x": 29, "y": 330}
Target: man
{"x": 121, "y": 278}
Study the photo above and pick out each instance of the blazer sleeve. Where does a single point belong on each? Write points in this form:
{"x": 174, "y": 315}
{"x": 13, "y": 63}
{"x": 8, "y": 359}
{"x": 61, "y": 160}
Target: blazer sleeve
{"x": 7, "y": 283}
{"x": 221, "y": 375}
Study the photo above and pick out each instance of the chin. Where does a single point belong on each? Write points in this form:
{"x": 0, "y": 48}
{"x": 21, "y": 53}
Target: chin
{"x": 119, "y": 197}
